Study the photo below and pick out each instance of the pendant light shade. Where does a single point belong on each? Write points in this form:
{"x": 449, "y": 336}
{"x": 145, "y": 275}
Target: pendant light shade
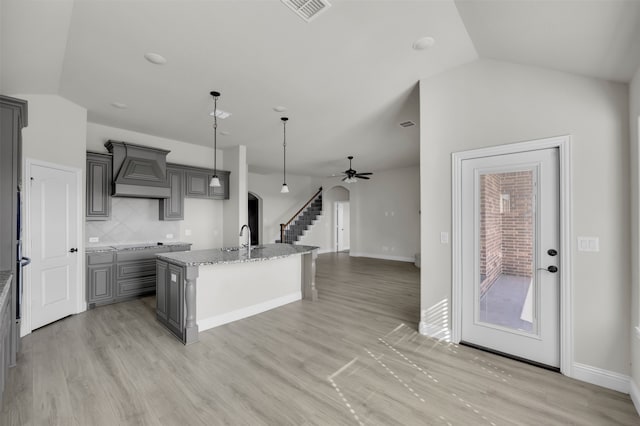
{"x": 215, "y": 182}
{"x": 285, "y": 188}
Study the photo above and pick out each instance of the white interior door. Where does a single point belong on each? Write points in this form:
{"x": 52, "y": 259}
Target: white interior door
{"x": 342, "y": 226}
{"x": 510, "y": 241}
{"x": 53, "y": 222}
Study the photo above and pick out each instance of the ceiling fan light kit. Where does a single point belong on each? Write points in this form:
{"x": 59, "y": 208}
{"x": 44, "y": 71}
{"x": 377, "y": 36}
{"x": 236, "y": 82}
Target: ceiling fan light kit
{"x": 352, "y": 176}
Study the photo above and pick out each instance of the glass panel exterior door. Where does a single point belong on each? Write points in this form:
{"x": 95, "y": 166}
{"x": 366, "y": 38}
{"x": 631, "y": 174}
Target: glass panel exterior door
{"x": 507, "y": 238}
{"x": 509, "y": 228}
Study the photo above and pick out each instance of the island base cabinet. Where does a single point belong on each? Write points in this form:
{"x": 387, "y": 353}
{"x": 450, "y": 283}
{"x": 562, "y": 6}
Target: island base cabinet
{"x": 170, "y": 297}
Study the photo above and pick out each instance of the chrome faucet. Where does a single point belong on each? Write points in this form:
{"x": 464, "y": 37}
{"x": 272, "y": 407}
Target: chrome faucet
{"x": 248, "y": 245}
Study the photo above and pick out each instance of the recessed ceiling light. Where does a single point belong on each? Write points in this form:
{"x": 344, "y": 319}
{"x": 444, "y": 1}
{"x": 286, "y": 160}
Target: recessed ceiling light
{"x": 225, "y": 132}
{"x": 119, "y": 105}
{"x": 423, "y": 43}
{"x": 279, "y": 108}
{"x": 155, "y": 58}
{"x": 220, "y": 113}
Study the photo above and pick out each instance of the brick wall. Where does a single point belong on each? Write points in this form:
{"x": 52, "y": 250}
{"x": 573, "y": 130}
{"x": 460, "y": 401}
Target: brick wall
{"x": 506, "y": 226}
{"x": 517, "y": 224}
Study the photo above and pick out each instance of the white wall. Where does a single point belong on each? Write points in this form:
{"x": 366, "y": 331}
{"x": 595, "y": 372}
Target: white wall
{"x": 203, "y": 218}
{"x": 323, "y": 232}
{"x": 235, "y": 210}
{"x": 634, "y": 122}
{"x": 56, "y": 133}
{"x": 385, "y": 215}
{"x": 276, "y": 207}
{"x": 488, "y": 103}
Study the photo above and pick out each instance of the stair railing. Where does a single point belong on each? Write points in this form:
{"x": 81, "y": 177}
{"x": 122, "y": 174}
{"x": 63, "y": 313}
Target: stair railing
{"x": 283, "y": 226}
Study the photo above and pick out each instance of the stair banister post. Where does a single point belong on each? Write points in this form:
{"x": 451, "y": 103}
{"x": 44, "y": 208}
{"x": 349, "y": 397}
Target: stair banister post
{"x": 282, "y": 226}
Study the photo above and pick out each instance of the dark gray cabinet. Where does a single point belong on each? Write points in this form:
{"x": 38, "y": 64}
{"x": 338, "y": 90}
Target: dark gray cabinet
{"x": 99, "y": 176}
{"x": 170, "y": 297}
{"x": 13, "y": 118}
{"x": 172, "y": 208}
{"x": 197, "y": 184}
{"x": 115, "y": 276}
{"x": 6, "y": 322}
{"x": 100, "y": 269}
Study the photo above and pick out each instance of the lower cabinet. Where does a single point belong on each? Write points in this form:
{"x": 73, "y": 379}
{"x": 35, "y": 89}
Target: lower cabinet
{"x": 120, "y": 275}
{"x": 170, "y": 297}
{"x": 5, "y": 343}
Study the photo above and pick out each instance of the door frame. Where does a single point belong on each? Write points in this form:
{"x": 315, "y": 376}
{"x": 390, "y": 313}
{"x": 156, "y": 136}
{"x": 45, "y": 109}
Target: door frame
{"x": 563, "y": 144}
{"x": 80, "y": 304}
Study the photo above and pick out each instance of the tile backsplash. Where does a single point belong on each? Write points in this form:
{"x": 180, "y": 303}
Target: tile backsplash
{"x": 133, "y": 220}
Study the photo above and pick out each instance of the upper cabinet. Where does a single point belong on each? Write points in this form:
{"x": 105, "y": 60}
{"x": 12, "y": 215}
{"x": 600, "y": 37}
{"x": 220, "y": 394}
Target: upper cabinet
{"x": 197, "y": 184}
{"x": 99, "y": 176}
{"x": 172, "y": 208}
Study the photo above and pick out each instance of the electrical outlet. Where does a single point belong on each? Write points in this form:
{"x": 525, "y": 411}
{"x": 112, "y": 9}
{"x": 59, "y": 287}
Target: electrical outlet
{"x": 94, "y": 239}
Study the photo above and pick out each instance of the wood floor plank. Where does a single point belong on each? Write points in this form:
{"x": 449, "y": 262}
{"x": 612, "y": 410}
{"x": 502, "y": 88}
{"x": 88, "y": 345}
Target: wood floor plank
{"x": 353, "y": 357}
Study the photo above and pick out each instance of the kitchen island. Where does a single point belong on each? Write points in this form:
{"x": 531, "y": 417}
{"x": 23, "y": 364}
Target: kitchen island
{"x": 202, "y": 289}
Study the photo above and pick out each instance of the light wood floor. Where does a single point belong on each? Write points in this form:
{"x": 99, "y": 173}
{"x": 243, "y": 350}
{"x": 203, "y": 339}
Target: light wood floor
{"x": 354, "y": 357}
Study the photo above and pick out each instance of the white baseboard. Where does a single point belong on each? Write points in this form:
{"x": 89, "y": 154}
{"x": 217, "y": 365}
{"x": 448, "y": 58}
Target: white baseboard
{"x": 210, "y": 322}
{"x": 383, "y": 256}
{"x": 598, "y": 376}
{"x": 634, "y": 392}
{"x": 435, "y": 331}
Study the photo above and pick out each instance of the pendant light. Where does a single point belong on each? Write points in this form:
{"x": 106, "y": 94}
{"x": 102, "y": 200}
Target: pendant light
{"x": 215, "y": 182}
{"x": 285, "y": 188}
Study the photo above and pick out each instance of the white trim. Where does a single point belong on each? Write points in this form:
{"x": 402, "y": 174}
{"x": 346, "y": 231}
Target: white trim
{"x": 434, "y": 331}
{"x": 598, "y": 376}
{"x": 384, "y": 257}
{"x": 634, "y": 393}
{"x": 638, "y": 332}
{"x": 215, "y": 321}
{"x": 563, "y": 143}
{"x": 81, "y": 305}
{"x": 322, "y": 251}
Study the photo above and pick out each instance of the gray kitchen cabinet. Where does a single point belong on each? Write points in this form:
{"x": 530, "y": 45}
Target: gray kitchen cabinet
{"x": 197, "y": 184}
{"x": 6, "y": 323}
{"x": 172, "y": 208}
{"x": 100, "y": 269}
{"x": 115, "y": 276}
{"x": 99, "y": 176}
{"x": 170, "y": 297}
{"x": 13, "y": 118}
{"x": 221, "y": 192}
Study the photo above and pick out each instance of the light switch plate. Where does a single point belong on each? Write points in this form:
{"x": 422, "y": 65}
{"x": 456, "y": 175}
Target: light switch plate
{"x": 94, "y": 239}
{"x": 187, "y": 232}
{"x": 169, "y": 236}
{"x": 589, "y": 244}
{"x": 444, "y": 237}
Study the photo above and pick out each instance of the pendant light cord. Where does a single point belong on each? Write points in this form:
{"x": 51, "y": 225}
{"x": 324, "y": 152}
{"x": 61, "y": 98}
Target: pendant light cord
{"x": 284, "y": 151}
{"x": 215, "y": 133}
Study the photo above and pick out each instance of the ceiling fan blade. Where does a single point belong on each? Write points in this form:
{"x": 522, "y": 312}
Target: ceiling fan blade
{"x": 362, "y": 177}
{"x": 344, "y": 178}
{"x": 364, "y": 174}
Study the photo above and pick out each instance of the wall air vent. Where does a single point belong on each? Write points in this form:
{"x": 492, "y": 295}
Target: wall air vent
{"x": 307, "y": 9}
{"x": 407, "y": 123}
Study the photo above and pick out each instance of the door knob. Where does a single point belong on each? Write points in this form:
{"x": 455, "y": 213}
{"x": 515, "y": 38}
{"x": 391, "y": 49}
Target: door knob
{"x": 73, "y": 250}
{"x": 552, "y": 252}
{"x": 553, "y": 269}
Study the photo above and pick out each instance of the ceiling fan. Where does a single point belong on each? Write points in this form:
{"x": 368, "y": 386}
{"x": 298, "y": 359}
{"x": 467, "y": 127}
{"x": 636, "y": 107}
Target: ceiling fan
{"x": 352, "y": 176}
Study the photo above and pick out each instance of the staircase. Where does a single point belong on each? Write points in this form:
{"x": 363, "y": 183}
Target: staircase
{"x": 291, "y": 232}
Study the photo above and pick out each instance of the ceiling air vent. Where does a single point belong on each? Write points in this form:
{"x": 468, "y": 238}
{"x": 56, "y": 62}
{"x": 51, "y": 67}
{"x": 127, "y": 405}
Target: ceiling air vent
{"x": 407, "y": 123}
{"x": 307, "y": 9}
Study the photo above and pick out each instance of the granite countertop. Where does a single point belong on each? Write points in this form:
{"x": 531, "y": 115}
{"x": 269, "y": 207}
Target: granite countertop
{"x": 234, "y": 255}
{"x": 132, "y": 246}
{"x": 5, "y": 286}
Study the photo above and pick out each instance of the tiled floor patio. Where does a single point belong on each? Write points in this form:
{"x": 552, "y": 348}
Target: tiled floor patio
{"x": 502, "y": 304}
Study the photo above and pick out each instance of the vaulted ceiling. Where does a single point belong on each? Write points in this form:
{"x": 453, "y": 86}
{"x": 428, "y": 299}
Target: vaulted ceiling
{"x": 347, "y": 79}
